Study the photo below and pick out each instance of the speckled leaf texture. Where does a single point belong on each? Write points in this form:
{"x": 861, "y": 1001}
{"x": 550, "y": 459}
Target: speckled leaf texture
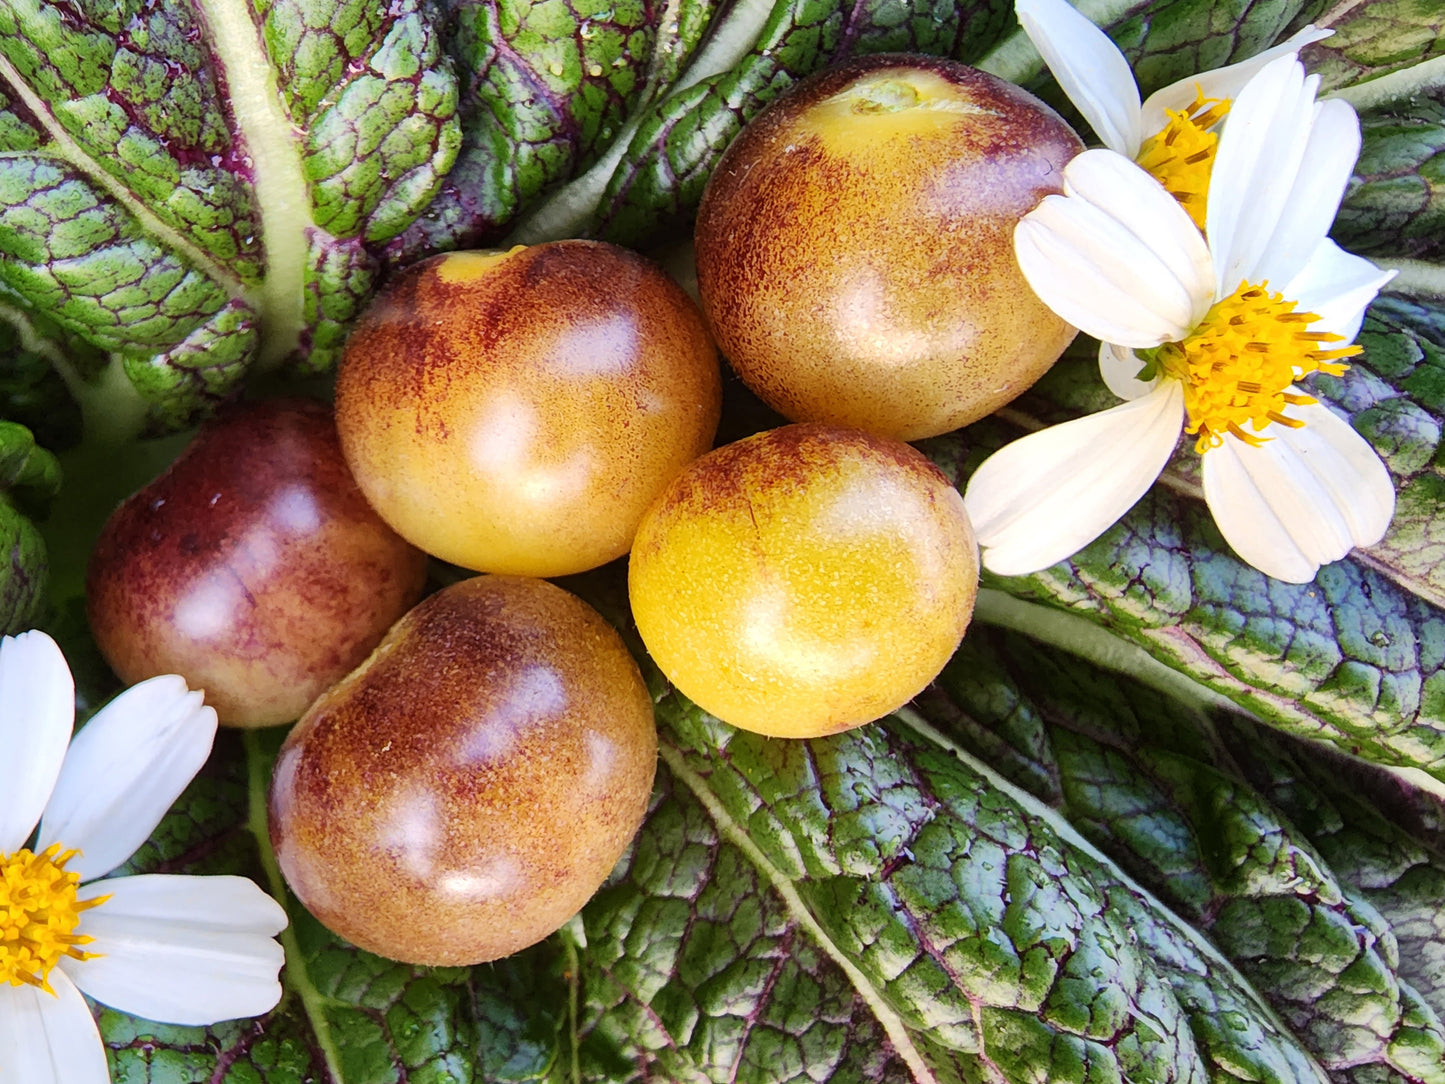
{"x": 1356, "y": 657}
{"x": 1240, "y": 830}
{"x": 1038, "y": 872}
{"x": 1132, "y": 833}
{"x": 184, "y": 187}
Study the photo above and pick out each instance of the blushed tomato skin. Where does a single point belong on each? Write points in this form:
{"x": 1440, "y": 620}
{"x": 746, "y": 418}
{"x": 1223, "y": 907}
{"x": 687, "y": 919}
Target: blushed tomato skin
{"x": 462, "y": 793}
{"x": 516, "y": 412}
{"x": 855, "y": 246}
{"x": 253, "y": 567}
{"x": 804, "y": 580}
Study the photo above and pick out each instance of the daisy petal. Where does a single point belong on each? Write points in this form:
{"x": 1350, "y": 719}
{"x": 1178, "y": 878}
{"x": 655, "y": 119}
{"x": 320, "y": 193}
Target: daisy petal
{"x": 1348, "y": 467}
{"x": 1224, "y": 82}
{"x": 1046, "y": 496}
{"x": 1258, "y": 158}
{"x": 1338, "y": 287}
{"x": 1092, "y": 268}
{"x": 1135, "y": 200}
{"x": 1302, "y": 499}
{"x": 37, "y": 711}
{"x": 1119, "y": 366}
{"x": 1249, "y": 523}
{"x": 182, "y": 950}
{"x": 125, "y": 769}
{"x": 1088, "y": 67}
{"x": 49, "y": 1040}
{"x": 1314, "y": 199}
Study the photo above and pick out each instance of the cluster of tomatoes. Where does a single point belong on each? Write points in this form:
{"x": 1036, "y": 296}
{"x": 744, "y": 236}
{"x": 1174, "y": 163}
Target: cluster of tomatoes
{"x": 469, "y": 767}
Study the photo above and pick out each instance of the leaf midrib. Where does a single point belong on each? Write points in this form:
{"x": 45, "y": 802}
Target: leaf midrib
{"x": 1398, "y": 85}
{"x": 282, "y": 197}
{"x": 888, "y": 1018}
{"x": 282, "y": 200}
{"x": 64, "y": 147}
{"x": 1070, "y": 835}
{"x": 782, "y": 884}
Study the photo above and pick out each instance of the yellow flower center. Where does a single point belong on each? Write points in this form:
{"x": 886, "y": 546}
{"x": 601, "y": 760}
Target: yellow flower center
{"x": 1238, "y": 364}
{"x": 38, "y": 915}
{"x": 1181, "y": 156}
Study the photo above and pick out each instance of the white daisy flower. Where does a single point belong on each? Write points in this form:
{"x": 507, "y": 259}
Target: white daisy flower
{"x": 1170, "y": 133}
{"x": 1221, "y": 330}
{"x": 175, "y": 949}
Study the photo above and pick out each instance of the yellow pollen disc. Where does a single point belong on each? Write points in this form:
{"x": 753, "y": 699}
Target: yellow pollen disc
{"x": 1181, "y": 156}
{"x": 38, "y": 916}
{"x": 1239, "y": 362}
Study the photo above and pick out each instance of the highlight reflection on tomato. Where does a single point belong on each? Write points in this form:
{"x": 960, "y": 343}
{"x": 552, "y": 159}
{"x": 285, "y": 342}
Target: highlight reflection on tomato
{"x": 517, "y": 411}
{"x": 253, "y": 567}
{"x": 855, "y": 246}
{"x": 461, "y": 794}
{"x": 804, "y": 580}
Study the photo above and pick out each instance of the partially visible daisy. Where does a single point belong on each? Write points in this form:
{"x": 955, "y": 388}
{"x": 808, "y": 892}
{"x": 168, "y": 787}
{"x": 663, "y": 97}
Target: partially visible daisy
{"x": 170, "y": 948}
{"x": 1205, "y": 337}
{"x": 1171, "y": 134}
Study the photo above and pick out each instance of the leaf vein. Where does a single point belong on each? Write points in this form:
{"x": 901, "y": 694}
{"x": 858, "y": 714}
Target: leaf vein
{"x": 730, "y": 830}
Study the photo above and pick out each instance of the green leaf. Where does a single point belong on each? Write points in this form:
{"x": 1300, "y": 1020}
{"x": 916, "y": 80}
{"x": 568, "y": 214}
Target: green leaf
{"x": 184, "y": 196}
{"x": 1375, "y": 39}
{"x": 549, "y": 85}
{"x": 899, "y": 882}
{"x": 29, "y": 480}
{"x": 1356, "y": 657}
{"x": 1235, "y": 827}
{"x": 1396, "y": 202}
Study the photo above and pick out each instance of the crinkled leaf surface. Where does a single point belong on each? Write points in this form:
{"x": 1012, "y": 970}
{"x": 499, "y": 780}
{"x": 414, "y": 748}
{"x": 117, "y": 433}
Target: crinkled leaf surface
{"x": 1375, "y": 39}
{"x": 29, "y": 479}
{"x": 185, "y": 188}
{"x": 1396, "y": 203}
{"x": 1042, "y": 870}
{"x": 1143, "y": 889}
{"x": 1358, "y": 655}
{"x": 1220, "y": 816}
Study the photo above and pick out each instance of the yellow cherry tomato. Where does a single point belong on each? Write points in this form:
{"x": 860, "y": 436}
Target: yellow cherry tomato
{"x": 855, "y": 246}
{"x": 804, "y": 580}
{"x": 517, "y": 411}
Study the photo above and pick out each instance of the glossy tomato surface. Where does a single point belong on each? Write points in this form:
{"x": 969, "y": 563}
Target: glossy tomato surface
{"x": 516, "y": 412}
{"x": 804, "y": 580}
{"x": 855, "y": 246}
{"x": 461, "y": 795}
{"x": 253, "y": 567}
